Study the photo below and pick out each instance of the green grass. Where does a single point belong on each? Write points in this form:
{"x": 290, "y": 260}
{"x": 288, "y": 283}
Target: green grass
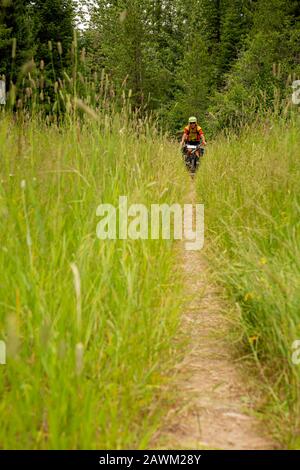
{"x": 250, "y": 188}
{"x": 89, "y": 325}
{"x": 86, "y": 368}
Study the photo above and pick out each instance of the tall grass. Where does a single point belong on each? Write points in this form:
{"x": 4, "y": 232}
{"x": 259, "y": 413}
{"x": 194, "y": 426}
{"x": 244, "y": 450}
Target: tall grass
{"x": 250, "y": 187}
{"x": 88, "y": 324}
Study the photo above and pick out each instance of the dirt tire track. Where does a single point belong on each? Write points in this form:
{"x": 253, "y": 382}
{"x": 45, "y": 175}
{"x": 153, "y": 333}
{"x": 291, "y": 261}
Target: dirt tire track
{"x": 216, "y": 403}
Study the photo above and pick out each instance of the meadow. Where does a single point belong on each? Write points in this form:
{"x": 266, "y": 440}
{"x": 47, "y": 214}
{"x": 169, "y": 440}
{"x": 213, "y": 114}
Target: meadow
{"x": 91, "y": 326}
{"x": 88, "y": 324}
{"x": 249, "y": 184}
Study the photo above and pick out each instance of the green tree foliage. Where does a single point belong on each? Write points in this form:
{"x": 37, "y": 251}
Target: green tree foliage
{"x": 234, "y": 26}
{"x": 197, "y": 69}
{"x": 32, "y": 24}
{"x": 54, "y": 21}
{"x": 222, "y": 60}
{"x": 139, "y": 45}
{"x": 16, "y": 22}
{"x": 261, "y": 78}
{"x": 194, "y": 83}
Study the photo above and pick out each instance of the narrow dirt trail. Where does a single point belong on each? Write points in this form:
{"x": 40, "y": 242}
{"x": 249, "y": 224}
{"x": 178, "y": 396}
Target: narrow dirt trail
{"x": 215, "y": 402}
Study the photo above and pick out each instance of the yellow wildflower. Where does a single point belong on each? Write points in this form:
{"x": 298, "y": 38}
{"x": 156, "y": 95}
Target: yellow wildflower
{"x": 253, "y": 339}
{"x": 249, "y": 296}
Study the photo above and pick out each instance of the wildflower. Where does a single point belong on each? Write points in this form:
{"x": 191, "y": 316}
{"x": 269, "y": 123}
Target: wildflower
{"x": 249, "y": 296}
{"x": 253, "y": 339}
{"x": 263, "y": 261}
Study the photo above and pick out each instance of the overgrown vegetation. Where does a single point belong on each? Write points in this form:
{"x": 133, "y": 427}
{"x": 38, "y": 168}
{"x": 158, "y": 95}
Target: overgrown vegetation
{"x": 250, "y": 189}
{"x": 88, "y": 324}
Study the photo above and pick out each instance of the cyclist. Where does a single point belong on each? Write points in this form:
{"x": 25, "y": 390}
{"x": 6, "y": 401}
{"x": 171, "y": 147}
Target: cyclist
{"x": 193, "y": 134}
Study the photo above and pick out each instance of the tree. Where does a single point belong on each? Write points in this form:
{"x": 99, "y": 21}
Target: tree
{"x": 54, "y": 23}
{"x": 143, "y": 45}
{"x": 234, "y": 27}
{"x": 260, "y": 78}
{"x": 16, "y": 25}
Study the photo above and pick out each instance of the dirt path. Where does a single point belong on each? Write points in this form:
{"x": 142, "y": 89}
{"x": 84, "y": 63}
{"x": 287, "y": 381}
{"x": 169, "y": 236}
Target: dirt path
{"x": 216, "y": 405}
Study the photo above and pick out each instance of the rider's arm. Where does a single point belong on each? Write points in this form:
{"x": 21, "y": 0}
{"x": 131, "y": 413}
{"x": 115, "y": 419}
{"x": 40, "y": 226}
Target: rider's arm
{"x": 203, "y": 138}
{"x": 184, "y": 138}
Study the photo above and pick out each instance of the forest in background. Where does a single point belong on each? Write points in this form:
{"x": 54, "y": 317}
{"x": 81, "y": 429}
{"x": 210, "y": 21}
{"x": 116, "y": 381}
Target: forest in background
{"x": 89, "y": 327}
{"x": 225, "y": 61}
